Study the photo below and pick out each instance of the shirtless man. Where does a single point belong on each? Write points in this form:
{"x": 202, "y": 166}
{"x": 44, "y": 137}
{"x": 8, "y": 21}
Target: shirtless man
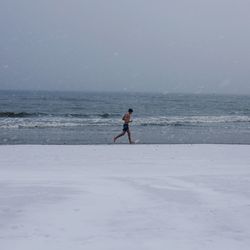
{"x": 127, "y": 119}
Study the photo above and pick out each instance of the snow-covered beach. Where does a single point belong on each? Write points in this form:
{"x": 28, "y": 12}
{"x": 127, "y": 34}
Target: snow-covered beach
{"x": 113, "y": 197}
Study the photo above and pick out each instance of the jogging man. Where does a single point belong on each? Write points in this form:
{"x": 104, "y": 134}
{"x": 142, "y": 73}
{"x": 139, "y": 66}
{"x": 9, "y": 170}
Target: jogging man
{"x": 127, "y": 119}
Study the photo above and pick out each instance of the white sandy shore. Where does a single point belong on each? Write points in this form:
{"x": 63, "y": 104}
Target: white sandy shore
{"x": 129, "y": 197}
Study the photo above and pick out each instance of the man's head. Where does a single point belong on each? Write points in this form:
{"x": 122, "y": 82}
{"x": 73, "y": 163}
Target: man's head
{"x": 130, "y": 111}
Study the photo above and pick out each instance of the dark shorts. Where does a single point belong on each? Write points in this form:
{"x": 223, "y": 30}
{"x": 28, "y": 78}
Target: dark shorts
{"x": 125, "y": 127}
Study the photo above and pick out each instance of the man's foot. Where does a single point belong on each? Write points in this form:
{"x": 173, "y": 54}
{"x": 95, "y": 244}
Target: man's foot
{"x": 114, "y": 139}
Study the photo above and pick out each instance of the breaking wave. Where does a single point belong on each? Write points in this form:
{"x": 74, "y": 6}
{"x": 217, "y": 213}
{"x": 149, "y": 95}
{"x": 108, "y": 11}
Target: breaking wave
{"x": 9, "y": 114}
{"x": 192, "y": 120}
{"x": 27, "y": 120}
{"x": 19, "y": 114}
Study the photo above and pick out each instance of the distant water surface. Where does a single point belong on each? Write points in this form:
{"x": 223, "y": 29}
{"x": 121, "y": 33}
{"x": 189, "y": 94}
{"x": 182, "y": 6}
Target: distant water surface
{"x": 95, "y": 118}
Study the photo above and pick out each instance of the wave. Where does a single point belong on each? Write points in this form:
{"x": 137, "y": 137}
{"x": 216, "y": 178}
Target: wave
{"x": 55, "y": 122}
{"x": 103, "y": 115}
{"x": 19, "y": 114}
{"x": 9, "y": 114}
{"x": 107, "y": 120}
{"x": 192, "y": 120}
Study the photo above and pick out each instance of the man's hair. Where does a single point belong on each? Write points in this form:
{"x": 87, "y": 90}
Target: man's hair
{"x": 130, "y": 110}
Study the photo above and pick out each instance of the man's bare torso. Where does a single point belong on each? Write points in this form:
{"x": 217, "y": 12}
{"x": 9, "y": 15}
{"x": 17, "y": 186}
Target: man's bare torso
{"x": 126, "y": 118}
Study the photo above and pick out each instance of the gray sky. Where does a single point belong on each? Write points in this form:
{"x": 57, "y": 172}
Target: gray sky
{"x": 135, "y": 45}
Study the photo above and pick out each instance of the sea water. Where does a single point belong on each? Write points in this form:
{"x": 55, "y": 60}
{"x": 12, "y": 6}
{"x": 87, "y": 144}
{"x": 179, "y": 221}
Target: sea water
{"x": 28, "y": 117}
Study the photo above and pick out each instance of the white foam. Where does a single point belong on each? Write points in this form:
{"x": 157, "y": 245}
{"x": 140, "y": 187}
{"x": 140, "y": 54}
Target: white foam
{"x": 172, "y": 120}
{"x": 61, "y": 122}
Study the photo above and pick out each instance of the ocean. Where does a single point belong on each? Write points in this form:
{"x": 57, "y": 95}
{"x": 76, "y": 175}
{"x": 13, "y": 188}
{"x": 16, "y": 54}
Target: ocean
{"x": 41, "y": 117}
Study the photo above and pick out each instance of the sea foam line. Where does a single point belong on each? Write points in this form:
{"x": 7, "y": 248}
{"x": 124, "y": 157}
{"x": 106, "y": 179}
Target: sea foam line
{"x": 67, "y": 122}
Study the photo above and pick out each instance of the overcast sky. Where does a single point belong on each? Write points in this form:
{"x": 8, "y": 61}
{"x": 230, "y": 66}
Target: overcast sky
{"x": 134, "y": 45}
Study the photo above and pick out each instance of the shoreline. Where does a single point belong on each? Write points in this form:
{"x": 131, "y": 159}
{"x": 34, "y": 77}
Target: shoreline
{"x": 118, "y": 144}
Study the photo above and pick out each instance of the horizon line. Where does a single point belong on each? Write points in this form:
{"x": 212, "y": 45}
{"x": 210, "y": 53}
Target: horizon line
{"x": 124, "y": 91}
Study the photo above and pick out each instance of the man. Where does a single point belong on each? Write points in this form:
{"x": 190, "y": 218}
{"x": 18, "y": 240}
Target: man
{"x": 127, "y": 119}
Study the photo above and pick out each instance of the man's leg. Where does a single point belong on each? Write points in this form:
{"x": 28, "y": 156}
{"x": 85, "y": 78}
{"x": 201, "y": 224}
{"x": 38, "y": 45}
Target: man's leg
{"x": 129, "y": 137}
{"x": 121, "y": 134}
